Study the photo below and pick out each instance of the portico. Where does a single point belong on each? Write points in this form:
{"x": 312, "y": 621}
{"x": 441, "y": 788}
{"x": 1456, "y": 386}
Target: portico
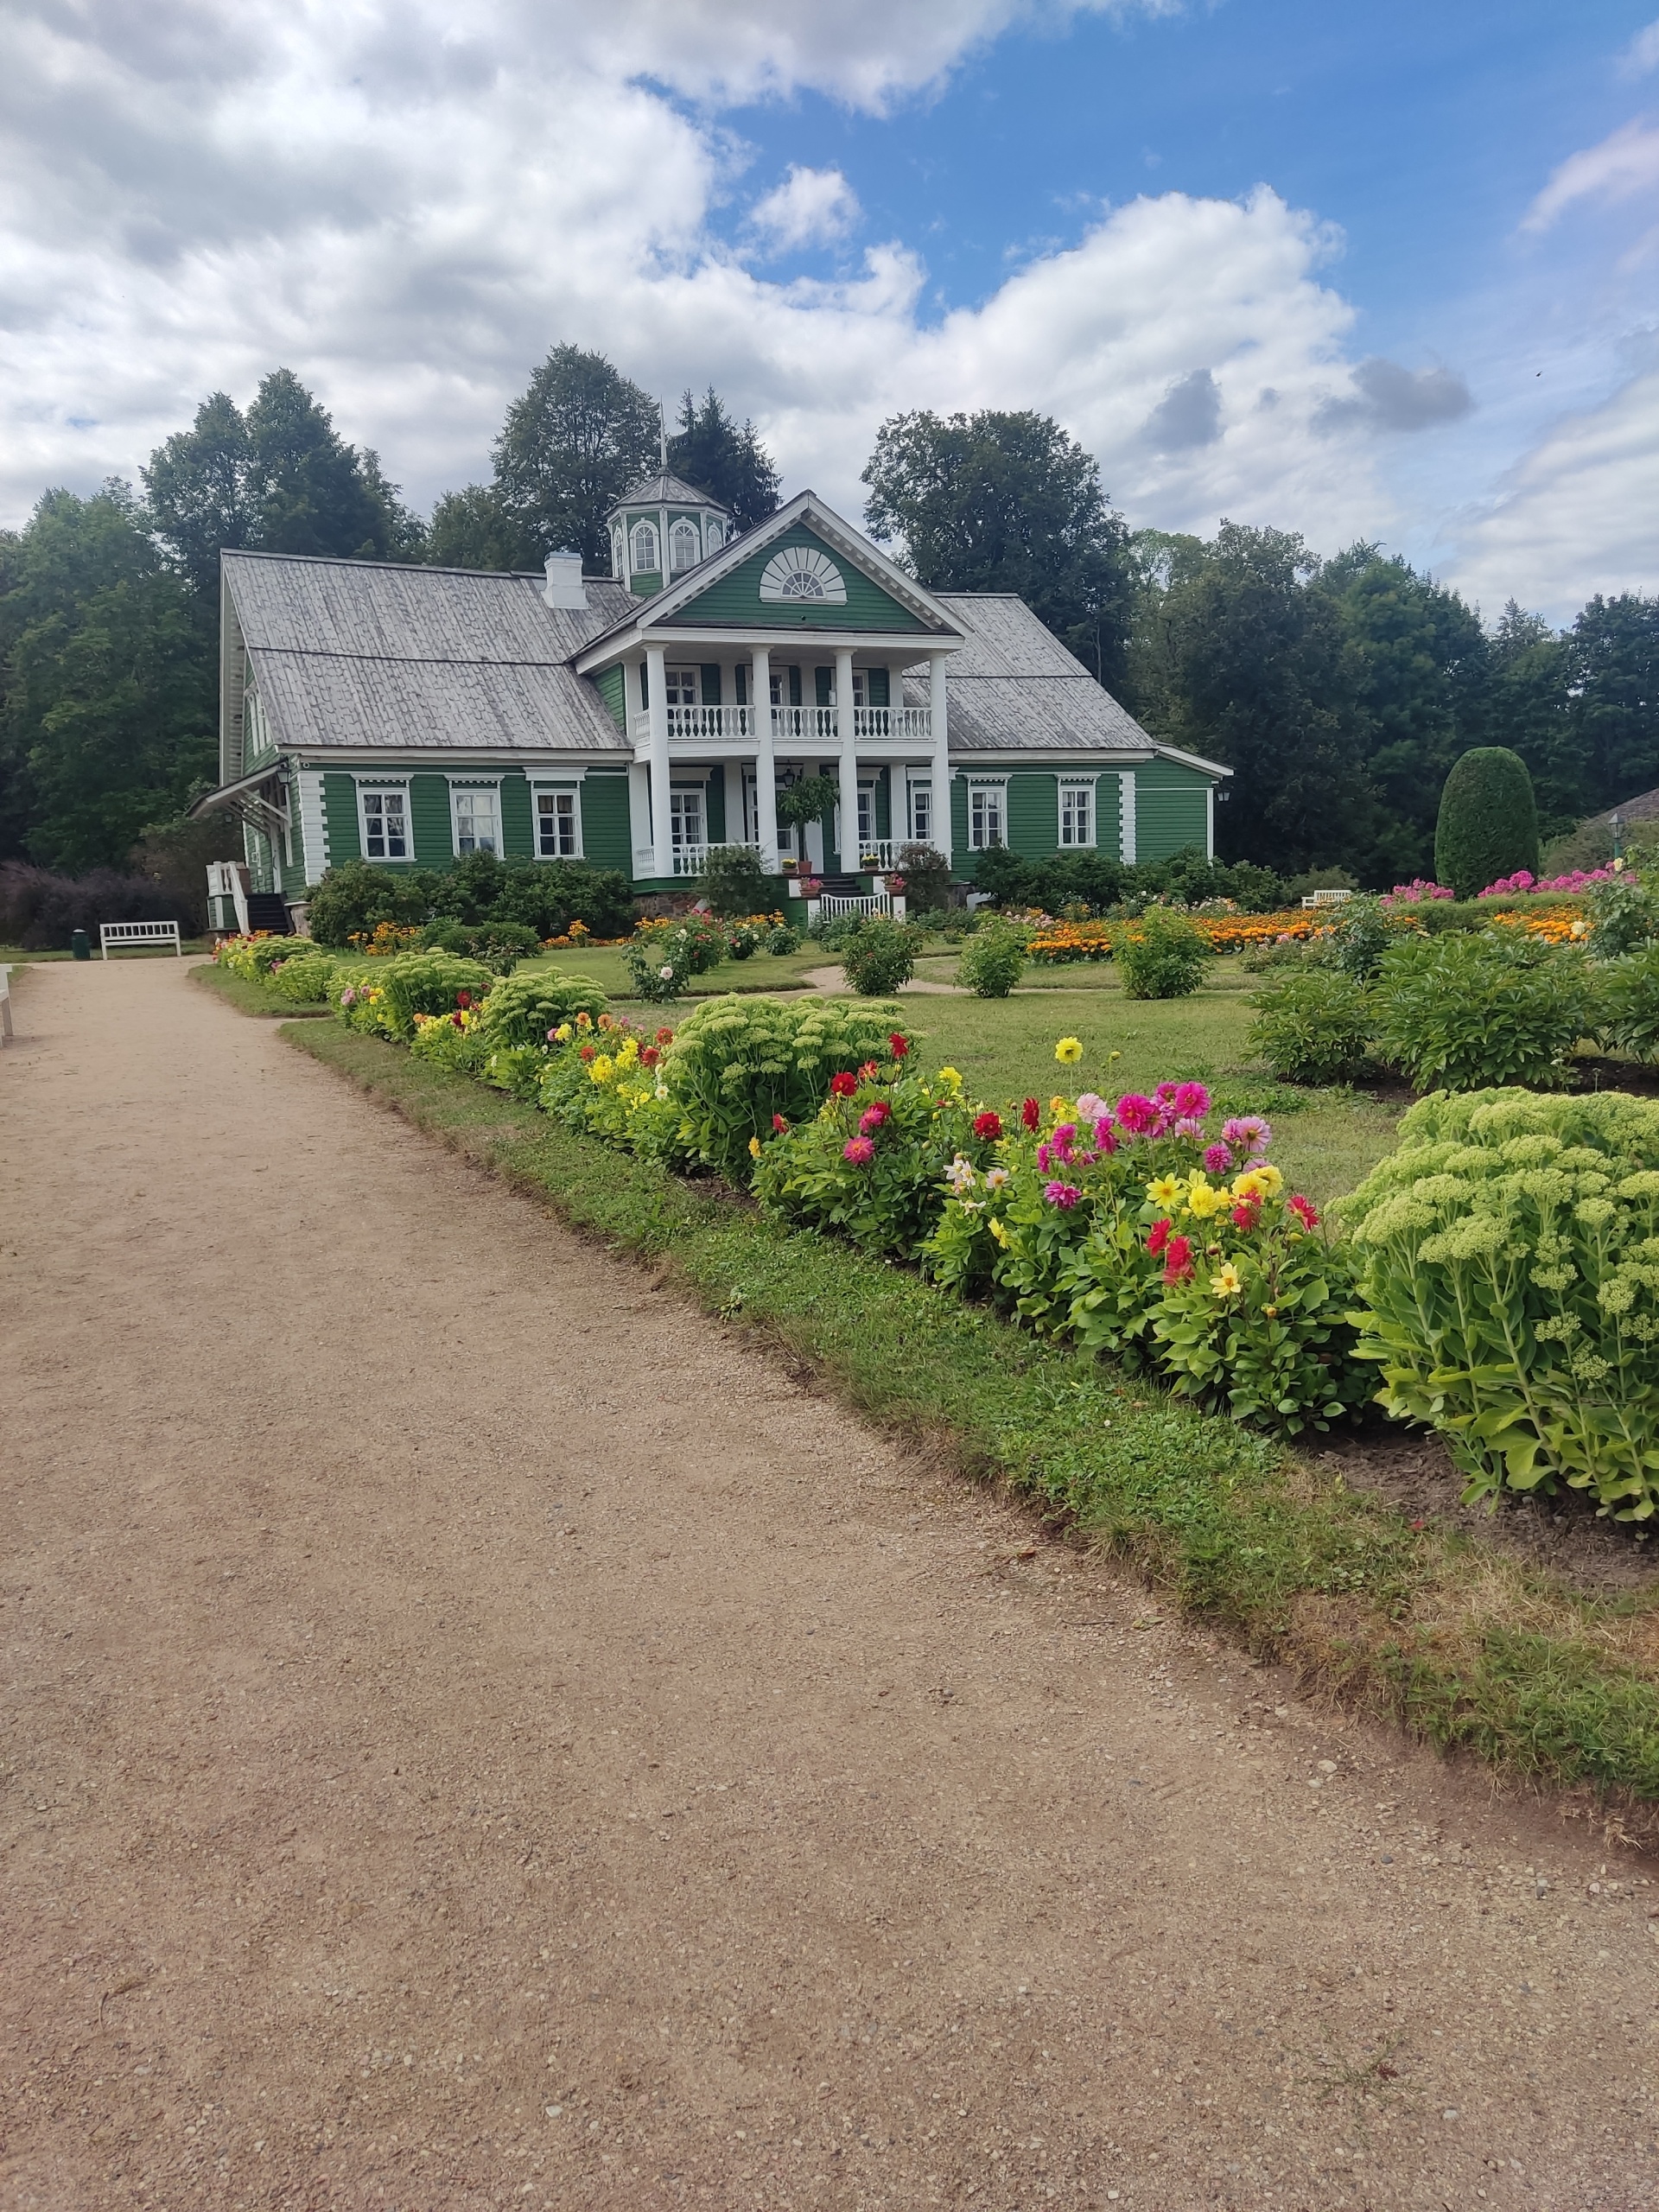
{"x": 797, "y": 651}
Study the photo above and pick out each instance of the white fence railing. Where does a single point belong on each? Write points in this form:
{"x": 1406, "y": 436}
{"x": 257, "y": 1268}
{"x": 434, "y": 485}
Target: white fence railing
{"x": 874, "y": 902}
{"x": 5, "y": 1005}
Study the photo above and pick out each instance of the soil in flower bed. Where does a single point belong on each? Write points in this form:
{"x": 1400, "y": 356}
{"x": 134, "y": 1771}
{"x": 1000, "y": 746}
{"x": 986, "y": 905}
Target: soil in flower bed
{"x": 1413, "y": 1471}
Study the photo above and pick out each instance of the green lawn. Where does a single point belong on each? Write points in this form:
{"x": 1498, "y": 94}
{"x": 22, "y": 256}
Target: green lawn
{"x": 13, "y": 954}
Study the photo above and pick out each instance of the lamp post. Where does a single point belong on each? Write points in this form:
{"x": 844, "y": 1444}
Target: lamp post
{"x": 1616, "y": 823}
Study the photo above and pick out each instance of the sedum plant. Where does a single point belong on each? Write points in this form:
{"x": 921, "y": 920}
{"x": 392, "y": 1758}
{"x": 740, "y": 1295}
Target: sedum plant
{"x": 525, "y": 1009}
{"x": 1510, "y": 1288}
{"x": 737, "y": 1062}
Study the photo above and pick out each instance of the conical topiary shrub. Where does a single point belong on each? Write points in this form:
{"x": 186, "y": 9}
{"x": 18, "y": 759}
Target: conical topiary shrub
{"x": 1488, "y": 824}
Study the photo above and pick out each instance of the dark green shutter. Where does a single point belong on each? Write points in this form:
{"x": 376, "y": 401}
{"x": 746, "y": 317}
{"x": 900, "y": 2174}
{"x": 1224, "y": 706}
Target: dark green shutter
{"x": 824, "y": 680}
{"x": 715, "y": 802}
{"x": 875, "y": 687}
{"x": 711, "y": 684}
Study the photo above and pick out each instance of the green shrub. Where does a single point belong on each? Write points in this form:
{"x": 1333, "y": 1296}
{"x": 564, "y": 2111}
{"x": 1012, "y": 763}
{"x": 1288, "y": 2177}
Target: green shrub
{"x": 927, "y": 875}
{"x": 500, "y": 945}
{"x": 735, "y": 1063}
{"x": 1460, "y": 1013}
{"x": 1623, "y": 915}
{"x": 663, "y": 956}
{"x": 735, "y": 882}
{"x": 1162, "y": 956}
{"x": 1627, "y": 1004}
{"x": 904, "y": 1135}
{"x": 1313, "y": 1025}
{"x": 545, "y": 896}
{"x": 605, "y": 1078}
{"x": 1488, "y": 824}
{"x": 355, "y": 896}
{"x": 522, "y": 1009}
{"x": 880, "y": 954}
{"x": 783, "y": 938}
{"x": 1361, "y": 932}
{"x": 1508, "y": 1255}
{"x": 303, "y": 977}
{"x": 994, "y": 962}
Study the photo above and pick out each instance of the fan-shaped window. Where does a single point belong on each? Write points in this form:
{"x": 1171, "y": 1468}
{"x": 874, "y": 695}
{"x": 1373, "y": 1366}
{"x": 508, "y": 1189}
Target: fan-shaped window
{"x": 683, "y": 550}
{"x": 645, "y": 549}
{"x": 801, "y": 572}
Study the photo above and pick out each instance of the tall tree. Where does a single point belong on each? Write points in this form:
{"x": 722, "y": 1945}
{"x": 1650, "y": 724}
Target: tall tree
{"x": 108, "y": 708}
{"x": 1613, "y": 659}
{"x": 1416, "y": 665}
{"x": 472, "y": 529}
{"x": 569, "y": 448}
{"x": 730, "y": 465}
{"x": 1007, "y": 502}
{"x": 1528, "y": 705}
{"x": 280, "y": 478}
{"x": 1237, "y": 658}
{"x": 199, "y": 494}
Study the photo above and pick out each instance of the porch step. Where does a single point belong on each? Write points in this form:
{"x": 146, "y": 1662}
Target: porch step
{"x": 267, "y": 911}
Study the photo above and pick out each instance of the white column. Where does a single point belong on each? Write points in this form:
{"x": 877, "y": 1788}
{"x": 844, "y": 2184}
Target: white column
{"x": 941, "y": 777}
{"x": 765, "y": 760}
{"x": 661, "y": 837}
{"x": 848, "y": 740}
{"x": 1126, "y": 818}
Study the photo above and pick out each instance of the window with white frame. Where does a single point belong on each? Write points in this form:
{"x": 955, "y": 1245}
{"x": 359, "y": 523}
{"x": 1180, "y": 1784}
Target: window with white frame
{"x": 383, "y": 818}
{"x": 645, "y": 548}
{"x": 476, "y": 819}
{"x": 616, "y": 553}
{"x": 558, "y": 829}
{"x": 921, "y": 813}
{"x": 866, "y": 819}
{"x": 714, "y": 533}
{"x": 680, "y": 686}
{"x": 685, "y": 548}
{"x": 1078, "y": 813}
{"x": 685, "y": 817}
{"x": 986, "y": 816}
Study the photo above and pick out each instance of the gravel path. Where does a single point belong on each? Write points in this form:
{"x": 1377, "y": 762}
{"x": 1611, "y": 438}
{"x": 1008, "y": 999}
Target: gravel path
{"x": 477, "y": 1735}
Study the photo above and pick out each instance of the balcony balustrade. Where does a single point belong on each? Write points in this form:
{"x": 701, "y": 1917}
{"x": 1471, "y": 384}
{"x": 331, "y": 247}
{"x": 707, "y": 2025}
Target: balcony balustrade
{"x": 811, "y": 729}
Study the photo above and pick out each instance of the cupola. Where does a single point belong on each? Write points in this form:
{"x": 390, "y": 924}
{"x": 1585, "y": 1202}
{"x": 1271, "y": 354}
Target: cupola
{"x": 663, "y": 527}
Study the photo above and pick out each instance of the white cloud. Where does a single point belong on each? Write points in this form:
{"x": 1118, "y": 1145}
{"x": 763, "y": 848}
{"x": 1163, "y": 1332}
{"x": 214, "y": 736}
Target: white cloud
{"x": 1579, "y": 514}
{"x": 1620, "y": 167}
{"x": 1641, "y": 54}
{"x": 810, "y": 207}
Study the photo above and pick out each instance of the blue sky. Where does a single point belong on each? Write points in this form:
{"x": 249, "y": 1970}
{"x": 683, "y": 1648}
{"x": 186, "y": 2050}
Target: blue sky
{"x": 1384, "y": 272}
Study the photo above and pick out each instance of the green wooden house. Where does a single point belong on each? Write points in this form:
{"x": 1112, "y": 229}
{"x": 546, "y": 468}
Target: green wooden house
{"x": 408, "y": 716}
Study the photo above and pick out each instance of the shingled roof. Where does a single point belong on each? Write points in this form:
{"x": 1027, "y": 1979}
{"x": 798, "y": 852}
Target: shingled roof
{"x": 350, "y": 653}
{"x": 1013, "y": 688}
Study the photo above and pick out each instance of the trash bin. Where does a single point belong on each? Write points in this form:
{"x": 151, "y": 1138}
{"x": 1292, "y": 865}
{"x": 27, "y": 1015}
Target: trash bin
{"x": 78, "y": 946}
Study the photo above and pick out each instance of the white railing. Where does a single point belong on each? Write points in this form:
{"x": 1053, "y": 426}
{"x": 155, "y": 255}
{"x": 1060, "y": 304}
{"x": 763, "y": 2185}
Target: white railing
{"x": 874, "y": 902}
{"x": 815, "y": 728}
{"x": 875, "y": 853}
{"x": 685, "y": 860}
{"x": 914, "y": 725}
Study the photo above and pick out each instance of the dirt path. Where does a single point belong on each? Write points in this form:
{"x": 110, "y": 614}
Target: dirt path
{"x": 477, "y": 1736}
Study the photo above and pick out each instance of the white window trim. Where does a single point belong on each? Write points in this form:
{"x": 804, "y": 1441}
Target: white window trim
{"x": 1000, "y": 785}
{"x": 636, "y": 566}
{"x": 1090, "y": 785}
{"x": 685, "y": 523}
{"x": 572, "y": 791}
{"x": 380, "y": 789}
{"x": 913, "y": 785}
{"x": 466, "y": 784}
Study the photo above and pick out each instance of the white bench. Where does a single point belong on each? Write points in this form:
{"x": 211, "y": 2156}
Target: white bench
{"x": 1326, "y": 898}
{"x": 5, "y": 1005}
{"x": 120, "y": 933}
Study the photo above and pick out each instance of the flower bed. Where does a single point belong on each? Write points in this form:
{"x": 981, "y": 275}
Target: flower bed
{"x": 1060, "y": 942}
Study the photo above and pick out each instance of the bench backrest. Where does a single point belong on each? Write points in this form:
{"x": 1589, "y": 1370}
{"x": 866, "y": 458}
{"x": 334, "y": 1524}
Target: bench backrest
{"x": 117, "y": 933}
